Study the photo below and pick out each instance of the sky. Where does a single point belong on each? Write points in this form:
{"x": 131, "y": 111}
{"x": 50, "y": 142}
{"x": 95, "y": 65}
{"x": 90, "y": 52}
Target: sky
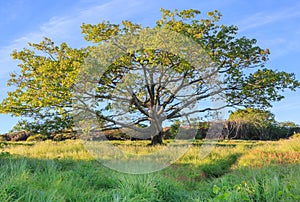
{"x": 275, "y": 25}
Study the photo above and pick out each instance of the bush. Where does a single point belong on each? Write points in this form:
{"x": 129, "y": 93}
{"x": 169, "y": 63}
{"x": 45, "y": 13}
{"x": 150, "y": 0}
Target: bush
{"x": 169, "y": 133}
{"x": 4, "y": 138}
{"x": 36, "y": 138}
{"x": 18, "y": 136}
{"x": 64, "y": 136}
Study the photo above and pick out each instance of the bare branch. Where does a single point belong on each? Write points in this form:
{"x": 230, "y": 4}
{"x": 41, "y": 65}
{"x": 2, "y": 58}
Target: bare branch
{"x": 177, "y": 110}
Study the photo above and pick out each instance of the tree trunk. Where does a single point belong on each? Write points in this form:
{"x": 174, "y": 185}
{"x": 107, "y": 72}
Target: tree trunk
{"x": 157, "y": 139}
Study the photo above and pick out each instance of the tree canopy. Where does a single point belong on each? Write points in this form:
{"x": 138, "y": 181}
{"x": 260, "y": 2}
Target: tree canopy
{"x": 146, "y": 84}
{"x": 254, "y": 123}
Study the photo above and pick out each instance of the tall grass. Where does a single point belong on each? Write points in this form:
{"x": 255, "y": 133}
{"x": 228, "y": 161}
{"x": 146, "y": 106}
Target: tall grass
{"x": 233, "y": 171}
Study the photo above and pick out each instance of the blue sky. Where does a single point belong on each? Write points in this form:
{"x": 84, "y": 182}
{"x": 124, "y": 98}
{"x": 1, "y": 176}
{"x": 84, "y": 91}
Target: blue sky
{"x": 275, "y": 24}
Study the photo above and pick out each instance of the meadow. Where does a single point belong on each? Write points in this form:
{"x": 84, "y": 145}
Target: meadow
{"x": 235, "y": 170}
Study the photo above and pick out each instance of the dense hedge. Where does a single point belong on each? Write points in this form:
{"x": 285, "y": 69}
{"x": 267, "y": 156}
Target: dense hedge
{"x": 250, "y": 132}
{"x": 231, "y": 130}
{"x": 16, "y": 136}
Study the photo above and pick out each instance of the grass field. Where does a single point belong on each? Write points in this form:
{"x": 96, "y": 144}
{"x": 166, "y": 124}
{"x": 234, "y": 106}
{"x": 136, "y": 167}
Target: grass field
{"x": 233, "y": 171}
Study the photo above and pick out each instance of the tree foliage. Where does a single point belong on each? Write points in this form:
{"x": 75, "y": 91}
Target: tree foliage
{"x": 43, "y": 86}
{"x": 251, "y": 123}
{"x": 150, "y": 96}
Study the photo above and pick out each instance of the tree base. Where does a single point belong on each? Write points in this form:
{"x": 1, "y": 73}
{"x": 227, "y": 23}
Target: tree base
{"x": 157, "y": 139}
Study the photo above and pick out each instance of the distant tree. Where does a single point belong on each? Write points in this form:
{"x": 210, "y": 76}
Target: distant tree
{"x": 251, "y": 122}
{"x": 288, "y": 128}
{"x": 288, "y": 124}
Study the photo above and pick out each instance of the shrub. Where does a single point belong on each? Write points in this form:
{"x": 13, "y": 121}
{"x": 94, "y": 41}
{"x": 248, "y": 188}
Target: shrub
{"x": 169, "y": 133}
{"x": 36, "y": 137}
{"x": 64, "y": 136}
{"x": 4, "y": 138}
{"x": 18, "y": 136}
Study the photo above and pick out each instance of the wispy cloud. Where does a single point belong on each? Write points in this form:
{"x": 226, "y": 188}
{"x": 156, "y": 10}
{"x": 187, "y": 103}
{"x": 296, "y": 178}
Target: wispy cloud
{"x": 67, "y": 28}
{"x": 281, "y": 46}
{"x": 263, "y": 18}
{"x": 285, "y": 110}
{"x": 287, "y": 106}
{"x": 63, "y": 28}
{"x": 277, "y": 29}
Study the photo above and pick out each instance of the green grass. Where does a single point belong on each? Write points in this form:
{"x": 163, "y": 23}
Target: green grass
{"x": 233, "y": 171}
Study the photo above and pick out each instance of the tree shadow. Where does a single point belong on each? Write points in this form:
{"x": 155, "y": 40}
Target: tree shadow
{"x": 218, "y": 167}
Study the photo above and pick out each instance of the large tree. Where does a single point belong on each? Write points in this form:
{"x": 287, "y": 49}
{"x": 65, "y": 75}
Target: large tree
{"x": 153, "y": 84}
{"x": 147, "y": 86}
